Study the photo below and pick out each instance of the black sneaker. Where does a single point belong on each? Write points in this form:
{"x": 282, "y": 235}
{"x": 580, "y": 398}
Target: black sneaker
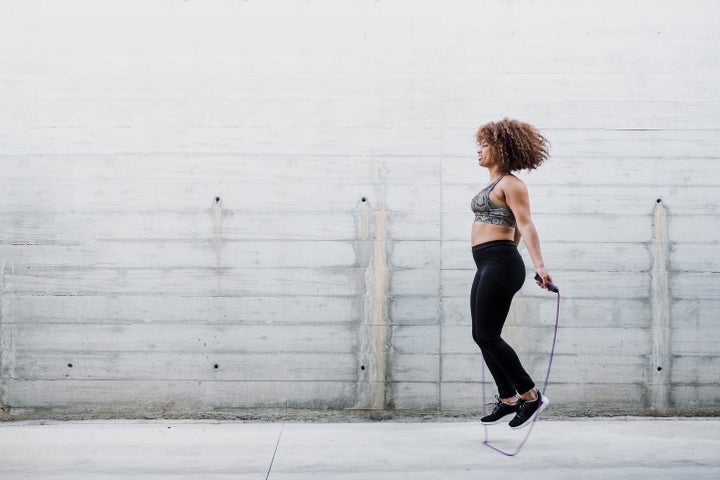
{"x": 501, "y": 412}
{"x": 529, "y": 411}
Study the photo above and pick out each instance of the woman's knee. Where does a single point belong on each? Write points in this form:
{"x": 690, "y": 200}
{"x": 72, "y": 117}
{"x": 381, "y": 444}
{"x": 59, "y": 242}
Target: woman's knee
{"x": 485, "y": 341}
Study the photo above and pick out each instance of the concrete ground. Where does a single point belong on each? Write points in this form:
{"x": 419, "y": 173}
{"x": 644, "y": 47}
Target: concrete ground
{"x": 618, "y": 448}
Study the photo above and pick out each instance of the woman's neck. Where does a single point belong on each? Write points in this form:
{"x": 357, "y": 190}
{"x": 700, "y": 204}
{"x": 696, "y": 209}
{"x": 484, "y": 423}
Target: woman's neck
{"x": 495, "y": 173}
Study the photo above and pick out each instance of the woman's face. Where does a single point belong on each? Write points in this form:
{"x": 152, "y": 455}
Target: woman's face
{"x": 485, "y": 154}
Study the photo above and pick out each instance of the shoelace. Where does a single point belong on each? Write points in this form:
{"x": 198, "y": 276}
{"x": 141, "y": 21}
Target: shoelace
{"x": 523, "y": 406}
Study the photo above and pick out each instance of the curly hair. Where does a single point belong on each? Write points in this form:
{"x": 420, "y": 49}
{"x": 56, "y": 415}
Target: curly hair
{"x": 516, "y": 145}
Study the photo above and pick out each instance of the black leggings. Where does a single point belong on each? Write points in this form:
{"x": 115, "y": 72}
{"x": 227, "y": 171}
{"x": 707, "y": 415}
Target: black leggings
{"x": 500, "y": 274}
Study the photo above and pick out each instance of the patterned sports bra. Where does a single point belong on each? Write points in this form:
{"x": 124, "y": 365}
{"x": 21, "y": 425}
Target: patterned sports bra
{"x": 488, "y": 212}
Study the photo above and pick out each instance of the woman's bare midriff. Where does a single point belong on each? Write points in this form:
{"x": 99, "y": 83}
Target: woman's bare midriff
{"x": 487, "y": 232}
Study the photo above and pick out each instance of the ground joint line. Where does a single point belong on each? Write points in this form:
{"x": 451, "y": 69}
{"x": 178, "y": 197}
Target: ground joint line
{"x": 277, "y": 444}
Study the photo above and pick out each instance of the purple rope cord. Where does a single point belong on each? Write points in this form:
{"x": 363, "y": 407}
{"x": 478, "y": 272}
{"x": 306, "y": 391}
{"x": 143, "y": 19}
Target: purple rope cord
{"x": 486, "y": 442}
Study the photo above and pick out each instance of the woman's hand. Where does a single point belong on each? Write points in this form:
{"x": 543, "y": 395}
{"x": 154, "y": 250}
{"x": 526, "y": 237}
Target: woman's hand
{"x": 542, "y": 277}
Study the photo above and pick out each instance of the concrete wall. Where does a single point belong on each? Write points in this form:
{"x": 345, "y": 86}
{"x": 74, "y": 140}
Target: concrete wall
{"x": 227, "y": 205}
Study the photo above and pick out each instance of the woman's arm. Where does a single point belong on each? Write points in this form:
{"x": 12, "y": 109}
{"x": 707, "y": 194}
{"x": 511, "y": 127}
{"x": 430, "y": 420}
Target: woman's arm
{"x": 517, "y": 237}
{"x": 516, "y": 196}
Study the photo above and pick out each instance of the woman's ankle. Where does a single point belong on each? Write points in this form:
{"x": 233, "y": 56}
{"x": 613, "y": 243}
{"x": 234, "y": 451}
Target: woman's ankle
{"x": 531, "y": 395}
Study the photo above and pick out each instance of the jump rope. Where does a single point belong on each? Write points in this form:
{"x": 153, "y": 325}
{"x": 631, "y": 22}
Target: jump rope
{"x": 551, "y": 287}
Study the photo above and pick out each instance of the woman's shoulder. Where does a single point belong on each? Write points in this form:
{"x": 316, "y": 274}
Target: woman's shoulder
{"x": 511, "y": 180}
{"x": 512, "y": 184}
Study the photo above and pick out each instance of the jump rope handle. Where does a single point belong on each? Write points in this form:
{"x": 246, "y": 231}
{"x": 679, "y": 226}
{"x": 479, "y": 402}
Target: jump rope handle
{"x": 550, "y": 286}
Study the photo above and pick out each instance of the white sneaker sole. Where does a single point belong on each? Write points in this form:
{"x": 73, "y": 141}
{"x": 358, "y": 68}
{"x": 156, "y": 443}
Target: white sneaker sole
{"x": 507, "y": 417}
{"x": 543, "y": 406}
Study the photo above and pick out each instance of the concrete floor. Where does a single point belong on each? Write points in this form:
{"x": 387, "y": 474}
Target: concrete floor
{"x": 557, "y": 449}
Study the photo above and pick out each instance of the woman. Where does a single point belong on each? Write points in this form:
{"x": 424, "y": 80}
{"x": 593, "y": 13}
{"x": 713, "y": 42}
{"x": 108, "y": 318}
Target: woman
{"x": 502, "y": 217}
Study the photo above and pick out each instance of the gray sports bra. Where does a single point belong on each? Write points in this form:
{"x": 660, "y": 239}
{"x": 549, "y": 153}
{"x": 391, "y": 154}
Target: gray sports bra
{"x": 488, "y": 212}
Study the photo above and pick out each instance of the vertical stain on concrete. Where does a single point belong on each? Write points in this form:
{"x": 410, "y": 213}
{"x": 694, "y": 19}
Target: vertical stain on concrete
{"x": 2, "y": 292}
{"x": 379, "y": 326}
{"x": 660, "y": 302}
{"x": 4, "y": 350}
{"x": 364, "y": 233}
{"x": 217, "y": 219}
{"x": 373, "y": 377}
